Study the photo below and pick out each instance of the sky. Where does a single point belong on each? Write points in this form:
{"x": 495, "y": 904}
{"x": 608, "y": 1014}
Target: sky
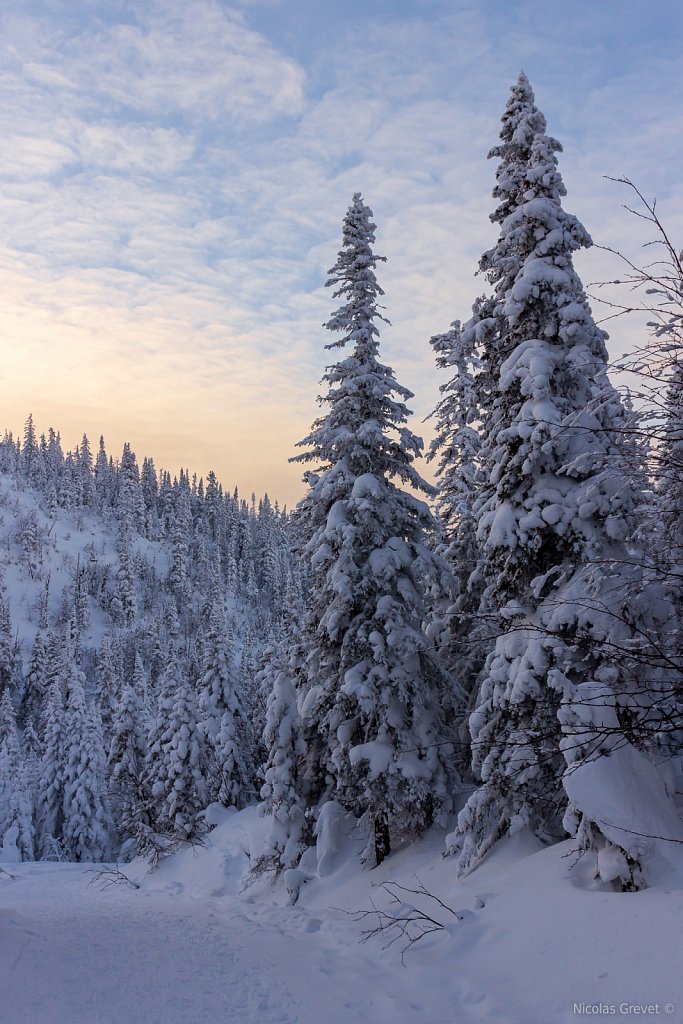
{"x": 174, "y": 174}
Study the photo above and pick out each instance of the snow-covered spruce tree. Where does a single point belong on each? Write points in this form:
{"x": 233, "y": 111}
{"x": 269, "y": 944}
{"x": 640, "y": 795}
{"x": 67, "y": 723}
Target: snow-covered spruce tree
{"x": 123, "y": 606}
{"x": 105, "y": 481}
{"x": 126, "y": 760}
{"x": 85, "y": 826}
{"x": 33, "y": 696}
{"x": 18, "y": 841}
{"x": 141, "y": 686}
{"x": 131, "y": 508}
{"x": 457, "y": 626}
{"x": 31, "y": 768}
{"x": 108, "y": 683}
{"x": 173, "y": 775}
{"x": 30, "y": 537}
{"x": 180, "y": 540}
{"x": 50, "y": 811}
{"x": 16, "y": 810}
{"x": 30, "y": 455}
{"x": 281, "y": 791}
{"x": 149, "y": 487}
{"x": 9, "y": 662}
{"x": 256, "y": 699}
{"x": 371, "y": 711}
{"x": 85, "y": 476}
{"x": 224, "y": 726}
{"x": 554, "y": 510}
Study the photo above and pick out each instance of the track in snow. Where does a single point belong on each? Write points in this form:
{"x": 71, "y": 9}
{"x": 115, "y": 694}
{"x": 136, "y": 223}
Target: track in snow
{"x": 73, "y": 954}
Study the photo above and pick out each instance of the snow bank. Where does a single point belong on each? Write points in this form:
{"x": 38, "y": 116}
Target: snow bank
{"x": 626, "y": 796}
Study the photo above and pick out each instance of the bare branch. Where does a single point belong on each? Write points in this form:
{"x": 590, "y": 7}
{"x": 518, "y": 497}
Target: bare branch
{"x": 402, "y": 922}
{"x": 107, "y": 877}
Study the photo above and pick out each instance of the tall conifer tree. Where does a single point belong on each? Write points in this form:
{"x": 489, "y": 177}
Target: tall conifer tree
{"x": 371, "y": 717}
{"x": 555, "y": 509}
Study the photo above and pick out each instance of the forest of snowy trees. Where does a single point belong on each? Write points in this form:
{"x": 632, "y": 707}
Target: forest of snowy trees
{"x": 495, "y": 652}
{"x": 130, "y": 697}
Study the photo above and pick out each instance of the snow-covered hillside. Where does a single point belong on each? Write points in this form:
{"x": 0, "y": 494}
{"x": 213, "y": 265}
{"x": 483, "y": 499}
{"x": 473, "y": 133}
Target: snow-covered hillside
{"x": 133, "y": 613}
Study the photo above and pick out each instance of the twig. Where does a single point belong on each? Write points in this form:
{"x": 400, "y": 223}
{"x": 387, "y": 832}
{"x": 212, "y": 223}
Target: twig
{"x": 106, "y": 877}
{"x": 405, "y": 923}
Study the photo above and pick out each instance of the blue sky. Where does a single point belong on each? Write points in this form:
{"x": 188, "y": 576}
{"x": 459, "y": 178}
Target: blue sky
{"x": 174, "y": 175}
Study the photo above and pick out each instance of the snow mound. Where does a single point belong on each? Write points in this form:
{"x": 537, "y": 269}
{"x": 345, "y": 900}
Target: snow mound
{"x": 625, "y": 794}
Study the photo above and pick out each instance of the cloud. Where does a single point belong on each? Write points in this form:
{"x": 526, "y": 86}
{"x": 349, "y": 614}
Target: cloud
{"x": 173, "y": 184}
{"x": 157, "y": 151}
{"x": 170, "y": 59}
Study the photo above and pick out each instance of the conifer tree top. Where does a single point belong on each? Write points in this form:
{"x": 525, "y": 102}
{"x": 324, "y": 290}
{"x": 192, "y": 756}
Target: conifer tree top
{"x": 364, "y": 428}
{"x": 353, "y": 276}
{"x": 524, "y": 129}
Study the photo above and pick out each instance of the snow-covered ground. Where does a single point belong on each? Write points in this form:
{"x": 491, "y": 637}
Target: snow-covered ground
{"x": 533, "y": 943}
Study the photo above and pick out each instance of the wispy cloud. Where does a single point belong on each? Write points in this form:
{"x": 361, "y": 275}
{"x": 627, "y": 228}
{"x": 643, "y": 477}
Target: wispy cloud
{"x": 174, "y": 175}
{"x": 166, "y": 58}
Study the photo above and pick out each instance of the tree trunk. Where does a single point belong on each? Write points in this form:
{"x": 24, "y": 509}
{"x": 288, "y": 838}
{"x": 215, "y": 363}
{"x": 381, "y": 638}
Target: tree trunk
{"x": 382, "y": 840}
